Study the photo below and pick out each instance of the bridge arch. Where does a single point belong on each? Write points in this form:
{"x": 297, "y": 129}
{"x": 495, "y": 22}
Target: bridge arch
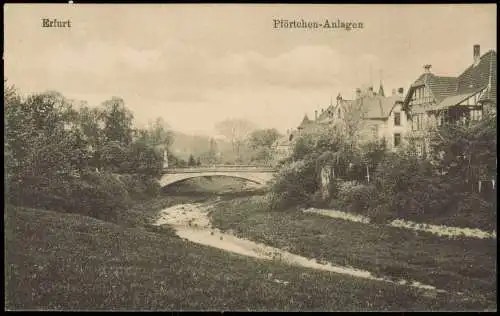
{"x": 260, "y": 178}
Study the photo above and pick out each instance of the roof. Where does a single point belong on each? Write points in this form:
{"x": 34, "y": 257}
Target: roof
{"x": 449, "y": 91}
{"x": 305, "y": 121}
{"x": 451, "y": 100}
{"x": 440, "y": 86}
{"x": 378, "y": 106}
{"x": 477, "y": 77}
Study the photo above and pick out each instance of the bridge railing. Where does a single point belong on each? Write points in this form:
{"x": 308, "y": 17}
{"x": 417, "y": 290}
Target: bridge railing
{"x": 220, "y": 168}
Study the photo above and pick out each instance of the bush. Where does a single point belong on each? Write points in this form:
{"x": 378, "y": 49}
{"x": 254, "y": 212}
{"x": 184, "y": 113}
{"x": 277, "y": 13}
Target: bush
{"x": 357, "y": 198}
{"x": 381, "y": 213}
{"x": 295, "y": 184}
{"x": 98, "y": 195}
{"x": 140, "y": 187}
{"x": 471, "y": 210}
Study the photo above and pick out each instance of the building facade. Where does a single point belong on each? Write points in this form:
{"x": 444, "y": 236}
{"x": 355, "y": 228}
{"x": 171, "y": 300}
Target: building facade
{"x": 434, "y": 100}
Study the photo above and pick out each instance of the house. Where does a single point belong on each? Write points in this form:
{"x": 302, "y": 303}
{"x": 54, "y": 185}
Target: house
{"x": 434, "y": 100}
{"x": 372, "y": 116}
{"x": 282, "y": 147}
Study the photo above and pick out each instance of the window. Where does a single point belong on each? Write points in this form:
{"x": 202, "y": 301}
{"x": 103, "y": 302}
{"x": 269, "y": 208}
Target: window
{"x": 417, "y": 121}
{"x": 476, "y": 115}
{"x": 420, "y": 95}
{"x": 420, "y": 149}
{"x": 397, "y": 119}
{"x": 375, "y": 131}
{"x": 397, "y": 139}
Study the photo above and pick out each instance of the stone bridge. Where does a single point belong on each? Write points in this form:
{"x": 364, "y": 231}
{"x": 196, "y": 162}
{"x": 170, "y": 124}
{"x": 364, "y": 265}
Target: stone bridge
{"x": 257, "y": 174}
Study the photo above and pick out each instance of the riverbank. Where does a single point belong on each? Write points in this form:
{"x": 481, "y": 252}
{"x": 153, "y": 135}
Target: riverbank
{"x": 439, "y": 230}
{"x": 58, "y": 261}
{"x": 191, "y": 222}
{"x": 459, "y": 265}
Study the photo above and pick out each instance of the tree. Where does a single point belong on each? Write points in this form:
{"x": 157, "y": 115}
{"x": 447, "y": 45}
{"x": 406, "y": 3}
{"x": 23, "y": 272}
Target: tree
{"x": 236, "y": 131}
{"x": 351, "y": 121}
{"x": 158, "y": 133}
{"x": 115, "y": 156}
{"x": 263, "y": 138}
{"x": 191, "y": 161}
{"x": 117, "y": 121}
{"x": 466, "y": 152}
{"x": 145, "y": 158}
{"x": 260, "y": 143}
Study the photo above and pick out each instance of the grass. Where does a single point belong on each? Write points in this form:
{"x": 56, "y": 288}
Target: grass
{"x": 58, "y": 261}
{"x": 461, "y": 265}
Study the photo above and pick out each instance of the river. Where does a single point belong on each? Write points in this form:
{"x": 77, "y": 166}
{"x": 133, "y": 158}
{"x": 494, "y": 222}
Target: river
{"x": 191, "y": 222}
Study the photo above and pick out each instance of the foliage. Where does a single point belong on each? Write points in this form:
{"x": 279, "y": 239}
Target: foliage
{"x": 263, "y": 138}
{"x": 54, "y": 151}
{"x": 358, "y": 197}
{"x": 140, "y": 187}
{"x": 145, "y": 158}
{"x": 191, "y": 161}
{"x": 295, "y": 183}
{"x": 466, "y": 151}
{"x": 117, "y": 121}
{"x": 260, "y": 142}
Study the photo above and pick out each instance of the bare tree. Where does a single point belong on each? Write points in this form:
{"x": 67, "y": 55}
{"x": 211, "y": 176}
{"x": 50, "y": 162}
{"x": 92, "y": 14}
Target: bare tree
{"x": 236, "y": 131}
{"x": 350, "y": 121}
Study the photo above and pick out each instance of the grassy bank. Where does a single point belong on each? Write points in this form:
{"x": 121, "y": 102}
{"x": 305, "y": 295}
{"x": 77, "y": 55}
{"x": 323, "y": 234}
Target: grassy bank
{"x": 462, "y": 265}
{"x": 68, "y": 261}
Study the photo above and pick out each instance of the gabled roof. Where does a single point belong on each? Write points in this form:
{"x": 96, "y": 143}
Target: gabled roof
{"x": 378, "y": 107}
{"x": 440, "y": 86}
{"x": 326, "y": 114}
{"x": 449, "y": 91}
{"x": 477, "y": 77}
{"x": 305, "y": 121}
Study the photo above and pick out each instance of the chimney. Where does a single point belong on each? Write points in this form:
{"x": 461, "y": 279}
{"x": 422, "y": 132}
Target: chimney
{"x": 476, "y": 54}
{"x": 370, "y": 91}
{"x": 427, "y": 69}
{"x": 401, "y": 91}
{"x": 315, "y": 114}
{"x": 393, "y": 91}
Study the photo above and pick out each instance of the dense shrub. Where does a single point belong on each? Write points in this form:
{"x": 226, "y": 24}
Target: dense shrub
{"x": 295, "y": 184}
{"x": 98, "y": 195}
{"x": 140, "y": 187}
{"x": 357, "y": 198}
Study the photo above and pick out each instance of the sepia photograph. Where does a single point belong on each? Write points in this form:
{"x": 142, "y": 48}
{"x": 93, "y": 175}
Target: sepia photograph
{"x": 250, "y": 157}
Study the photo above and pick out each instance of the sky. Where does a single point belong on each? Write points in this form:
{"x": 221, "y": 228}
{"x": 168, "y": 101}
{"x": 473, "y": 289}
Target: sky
{"x": 197, "y": 64}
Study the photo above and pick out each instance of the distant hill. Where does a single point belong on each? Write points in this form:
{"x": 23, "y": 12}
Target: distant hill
{"x": 198, "y": 145}
{"x": 184, "y": 145}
